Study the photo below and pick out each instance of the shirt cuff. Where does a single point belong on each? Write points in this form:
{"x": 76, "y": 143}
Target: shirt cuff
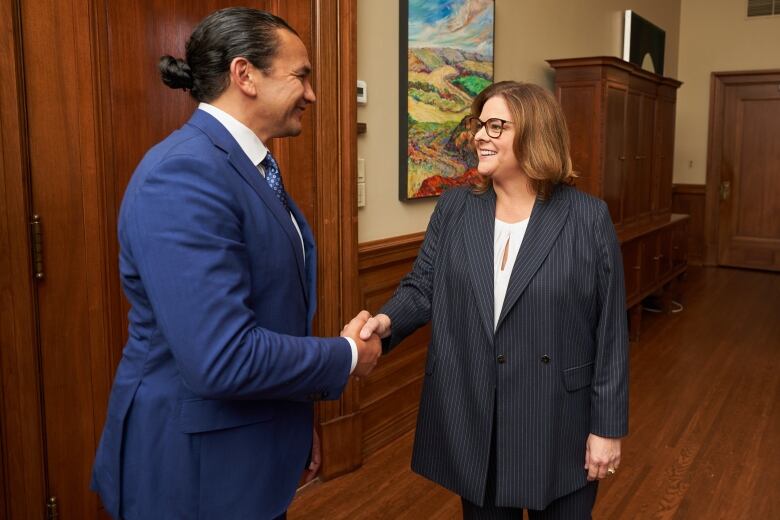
{"x": 353, "y": 346}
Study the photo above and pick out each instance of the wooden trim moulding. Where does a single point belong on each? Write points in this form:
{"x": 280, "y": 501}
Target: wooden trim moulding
{"x": 334, "y": 42}
{"x": 389, "y": 250}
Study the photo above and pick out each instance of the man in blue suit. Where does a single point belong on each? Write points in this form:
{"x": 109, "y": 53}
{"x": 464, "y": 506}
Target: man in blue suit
{"x": 211, "y": 413}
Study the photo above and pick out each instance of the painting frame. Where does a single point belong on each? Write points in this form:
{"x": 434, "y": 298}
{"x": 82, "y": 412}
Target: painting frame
{"x": 448, "y": 164}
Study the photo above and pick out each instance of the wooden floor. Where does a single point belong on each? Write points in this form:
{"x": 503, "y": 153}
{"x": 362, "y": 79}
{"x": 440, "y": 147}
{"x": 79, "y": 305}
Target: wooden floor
{"x": 704, "y": 437}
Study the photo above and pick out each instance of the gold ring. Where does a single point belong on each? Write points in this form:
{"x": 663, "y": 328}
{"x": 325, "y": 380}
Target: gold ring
{"x": 611, "y": 471}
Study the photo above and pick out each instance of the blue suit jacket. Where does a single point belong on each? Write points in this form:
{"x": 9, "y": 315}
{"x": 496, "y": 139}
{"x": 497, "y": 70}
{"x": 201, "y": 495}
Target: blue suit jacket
{"x": 210, "y": 415}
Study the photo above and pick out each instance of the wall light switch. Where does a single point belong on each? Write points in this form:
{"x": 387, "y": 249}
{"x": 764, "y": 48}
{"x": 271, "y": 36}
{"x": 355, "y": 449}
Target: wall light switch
{"x": 362, "y": 92}
{"x": 361, "y": 194}
{"x": 361, "y": 170}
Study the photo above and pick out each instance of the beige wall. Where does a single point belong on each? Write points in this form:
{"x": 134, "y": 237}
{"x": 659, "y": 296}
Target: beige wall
{"x": 527, "y": 32}
{"x": 715, "y": 36}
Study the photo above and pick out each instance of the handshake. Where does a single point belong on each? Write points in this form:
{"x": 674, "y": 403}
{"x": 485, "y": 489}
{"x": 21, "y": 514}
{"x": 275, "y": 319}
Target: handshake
{"x": 367, "y": 331}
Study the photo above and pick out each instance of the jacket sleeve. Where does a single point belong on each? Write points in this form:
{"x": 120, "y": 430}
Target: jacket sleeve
{"x": 609, "y": 398}
{"x": 410, "y": 306}
{"x": 186, "y": 236}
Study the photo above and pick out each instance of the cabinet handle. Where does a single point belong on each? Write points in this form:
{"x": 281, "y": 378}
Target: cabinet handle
{"x": 636, "y": 268}
{"x": 623, "y": 158}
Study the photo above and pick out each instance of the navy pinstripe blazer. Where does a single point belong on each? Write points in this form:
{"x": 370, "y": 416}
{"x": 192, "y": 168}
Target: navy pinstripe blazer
{"x": 562, "y": 340}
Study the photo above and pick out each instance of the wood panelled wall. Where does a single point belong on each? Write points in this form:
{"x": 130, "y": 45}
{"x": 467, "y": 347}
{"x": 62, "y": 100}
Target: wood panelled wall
{"x": 389, "y": 397}
{"x": 690, "y": 199}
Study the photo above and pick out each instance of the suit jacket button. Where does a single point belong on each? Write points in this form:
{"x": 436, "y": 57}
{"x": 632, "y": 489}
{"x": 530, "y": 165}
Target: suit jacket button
{"x": 325, "y": 395}
{"x": 545, "y": 359}
{"x": 501, "y": 359}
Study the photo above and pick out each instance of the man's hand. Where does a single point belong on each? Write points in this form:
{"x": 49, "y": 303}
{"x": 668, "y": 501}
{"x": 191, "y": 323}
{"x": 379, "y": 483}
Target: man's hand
{"x": 368, "y": 350}
{"x": 316, "y": 459}
{"x": 602, "y": 456}
{"x": 379, "y": 325}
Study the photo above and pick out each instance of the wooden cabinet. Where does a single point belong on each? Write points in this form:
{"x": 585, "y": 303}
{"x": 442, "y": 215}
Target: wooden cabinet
{"x": 653, "y": 256}
{"x": 621, "y": 123}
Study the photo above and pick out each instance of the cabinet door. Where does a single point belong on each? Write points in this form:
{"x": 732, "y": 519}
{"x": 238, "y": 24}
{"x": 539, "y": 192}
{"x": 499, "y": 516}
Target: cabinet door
{"x": 663, "y": 254}
{"x": 663, "y": 157}
{"x": 643, "y": 158}
{"x": 581, "y": 104}
{"x": 615, "y": 157}
{"x": 680, "y": 245}
{"x": 631, "y": 174}
{"x": 649, "y": 266}
{"x": 632, "y": 269}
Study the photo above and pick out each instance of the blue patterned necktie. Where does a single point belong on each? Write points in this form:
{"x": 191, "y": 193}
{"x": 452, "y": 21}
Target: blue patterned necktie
{"x": 274, "y": 179}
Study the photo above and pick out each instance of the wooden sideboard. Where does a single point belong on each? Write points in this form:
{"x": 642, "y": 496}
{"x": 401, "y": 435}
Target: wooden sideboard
{"x": 621, "y": 124}
{"x": 654, "y": 257}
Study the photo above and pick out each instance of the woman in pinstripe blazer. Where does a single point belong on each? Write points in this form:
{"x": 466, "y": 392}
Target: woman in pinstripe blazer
{"x": 525, "y": 396}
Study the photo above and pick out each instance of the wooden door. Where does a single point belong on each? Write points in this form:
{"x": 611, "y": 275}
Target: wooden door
{"x": 744, "y": 176}
{"x": 82, "y": 102}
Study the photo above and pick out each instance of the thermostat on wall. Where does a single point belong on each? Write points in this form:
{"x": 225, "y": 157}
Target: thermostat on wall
{"x": 362, "y": 95}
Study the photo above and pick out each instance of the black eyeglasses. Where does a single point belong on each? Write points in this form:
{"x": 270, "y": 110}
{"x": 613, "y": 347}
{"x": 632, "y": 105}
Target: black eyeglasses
{"x": 493, "y": 126}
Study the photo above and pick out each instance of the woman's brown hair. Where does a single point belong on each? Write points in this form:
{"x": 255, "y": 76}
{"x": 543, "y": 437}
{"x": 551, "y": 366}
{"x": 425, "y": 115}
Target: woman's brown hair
{"x": 541, "y": 142}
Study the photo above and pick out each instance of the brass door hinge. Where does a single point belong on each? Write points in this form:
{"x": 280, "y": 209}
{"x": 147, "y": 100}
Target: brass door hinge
{"x": 51, "y": 509}
{"x": 36, "y": 241}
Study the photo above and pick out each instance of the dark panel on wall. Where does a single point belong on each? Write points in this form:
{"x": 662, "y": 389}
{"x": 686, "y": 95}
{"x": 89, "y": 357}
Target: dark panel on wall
{"x": 390, "y": 396}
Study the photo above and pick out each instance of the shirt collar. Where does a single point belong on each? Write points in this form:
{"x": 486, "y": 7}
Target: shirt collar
{"x": 252, "y": 146}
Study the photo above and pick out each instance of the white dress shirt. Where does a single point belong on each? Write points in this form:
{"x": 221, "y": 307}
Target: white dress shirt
{"x": 254, "y": 148}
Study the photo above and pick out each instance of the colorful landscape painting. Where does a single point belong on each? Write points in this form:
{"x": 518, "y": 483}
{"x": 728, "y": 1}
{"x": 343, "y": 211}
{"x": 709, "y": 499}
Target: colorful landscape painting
{"x": 446, "y": 60}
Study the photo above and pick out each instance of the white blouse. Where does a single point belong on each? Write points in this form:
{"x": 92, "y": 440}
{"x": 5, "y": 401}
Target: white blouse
{"x": 506, "y": 244}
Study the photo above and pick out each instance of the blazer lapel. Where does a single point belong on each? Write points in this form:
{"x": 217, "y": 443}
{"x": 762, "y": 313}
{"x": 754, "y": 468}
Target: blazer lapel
{"x": 547, "y": 220}
{"x": 309, "y": 272}
{"x": 478, "y": 243}
{"x": 251, "y": 175}
{"x": 249, "y": 172}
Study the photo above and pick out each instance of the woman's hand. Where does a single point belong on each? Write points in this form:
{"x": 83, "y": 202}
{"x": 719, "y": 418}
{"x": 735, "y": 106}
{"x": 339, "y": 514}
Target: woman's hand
{"x": 379, "y": 325}
{"x": 602, "y": 456}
